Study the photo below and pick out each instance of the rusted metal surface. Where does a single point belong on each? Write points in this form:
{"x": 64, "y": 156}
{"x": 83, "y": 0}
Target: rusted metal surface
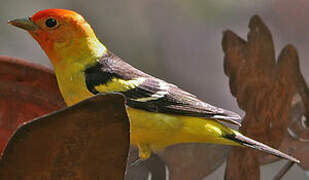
{"x": 296, "y": 138}
{"x": 264, "y": 89}
{"x": 89, "y": 140}
{"x": 27, "y": 91}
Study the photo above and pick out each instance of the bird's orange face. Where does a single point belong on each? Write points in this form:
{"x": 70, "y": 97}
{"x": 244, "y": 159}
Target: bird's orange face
{"x": 56, "y": 30}
{"x": 56, "y": 26}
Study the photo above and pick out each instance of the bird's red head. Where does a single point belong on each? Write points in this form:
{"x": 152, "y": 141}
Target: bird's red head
{"x": 58, "y": 31}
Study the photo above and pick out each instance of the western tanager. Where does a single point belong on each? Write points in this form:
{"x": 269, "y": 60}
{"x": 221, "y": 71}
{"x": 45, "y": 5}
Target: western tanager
{"x": 161, "y": 114}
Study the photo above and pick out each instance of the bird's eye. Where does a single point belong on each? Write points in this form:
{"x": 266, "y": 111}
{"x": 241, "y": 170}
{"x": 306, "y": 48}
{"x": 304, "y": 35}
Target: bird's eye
{"x": 51, "y": 22}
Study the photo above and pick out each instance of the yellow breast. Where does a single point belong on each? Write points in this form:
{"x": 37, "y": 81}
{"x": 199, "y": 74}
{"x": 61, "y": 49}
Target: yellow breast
{"x": 72, "y": 84}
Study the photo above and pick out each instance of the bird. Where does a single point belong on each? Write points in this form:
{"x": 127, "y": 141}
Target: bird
{"x": 160, "y": 113}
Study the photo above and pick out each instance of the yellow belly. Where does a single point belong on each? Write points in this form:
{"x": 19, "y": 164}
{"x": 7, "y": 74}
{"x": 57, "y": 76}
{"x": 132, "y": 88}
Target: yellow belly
{"x": 155, "y": 131}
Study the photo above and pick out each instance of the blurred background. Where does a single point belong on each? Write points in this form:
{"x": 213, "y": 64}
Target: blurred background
{"x": 176, "y": 40}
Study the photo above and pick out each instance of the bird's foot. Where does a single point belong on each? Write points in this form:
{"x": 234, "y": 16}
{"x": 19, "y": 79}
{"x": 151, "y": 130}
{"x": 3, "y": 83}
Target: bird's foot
{"x": 144, "y": 151}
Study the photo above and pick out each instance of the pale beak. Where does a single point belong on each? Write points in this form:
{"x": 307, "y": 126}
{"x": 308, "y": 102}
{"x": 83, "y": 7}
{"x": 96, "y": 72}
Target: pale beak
{"x": 24, "y": 23}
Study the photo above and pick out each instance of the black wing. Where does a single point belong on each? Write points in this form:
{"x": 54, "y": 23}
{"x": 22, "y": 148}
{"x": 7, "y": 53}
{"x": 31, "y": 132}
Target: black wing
{"x": 153, "y": 94}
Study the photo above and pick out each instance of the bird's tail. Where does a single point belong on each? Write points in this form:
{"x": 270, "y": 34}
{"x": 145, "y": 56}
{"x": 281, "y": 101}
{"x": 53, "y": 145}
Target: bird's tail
{"x": 248, "y": 142}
